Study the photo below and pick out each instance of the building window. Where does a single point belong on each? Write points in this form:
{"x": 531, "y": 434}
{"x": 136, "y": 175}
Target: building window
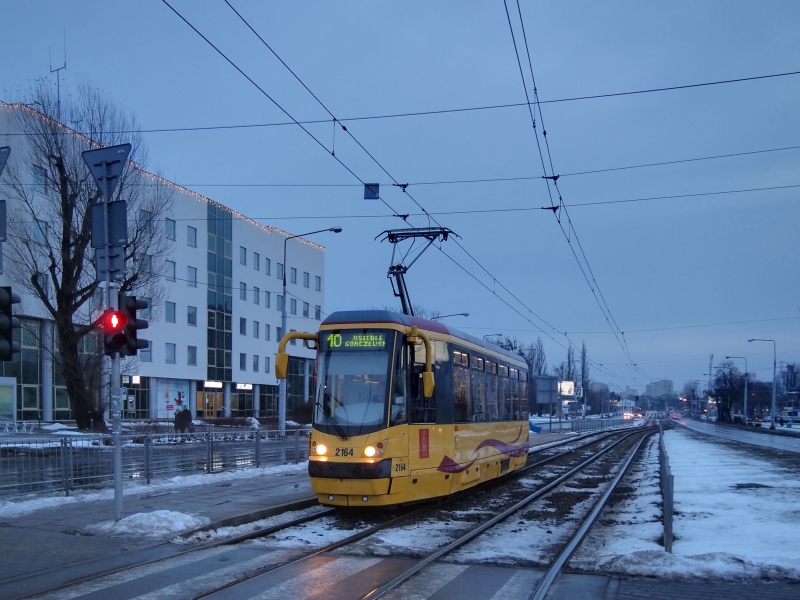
{"x": 266, "y": 299}
{"x": 293, "y": 306}
{"x": 266, "y": 364}
{"x": 145, "y": 312}
{"x": 306, "y": 278}
{"x": 191, "y": 315}
{"x": 169, "y": 229}
{"x": 145, "y": 354}
{"x": 256, "y": 327}
{"x": 170, "y": 353}
{"x": 191, "y": 276}
{"x": 191, "y": 355}
{"x": 146, "y": 264}
{"x": 191, "y": 236}
{"x": 266, "y": 265}
{"x": 170, "y": 312}
{"x": 39, "y": 179}
{"x": 318, "y": 283}
{"x": 256, "y": 296}
{"x": 242, "y": 255}
{"x": 242, "y": 361}
{"x": 242, "y": 290}
{"x": 256, "y": 261}
{"x": 242, "y": 326}
{"x": 266, "y": 331}
{"x": 317, "y": 312}
{"x": 255, "y": 363}
{"x": 293, "y": 275}
{"x": 279, "y": 271}
{"x": 278, "y": 333}
{"x": 145, "y": 220}
{"x": 305, "y": 309}
{"x": 279, "y": 303}
{"x": 293, "y": 341}
{"x": 40, "y": 232}
{"x": 169, "y": 267}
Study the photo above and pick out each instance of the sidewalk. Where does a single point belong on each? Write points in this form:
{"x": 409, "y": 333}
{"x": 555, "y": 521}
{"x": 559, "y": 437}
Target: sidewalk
{"x": 50, "y": 546}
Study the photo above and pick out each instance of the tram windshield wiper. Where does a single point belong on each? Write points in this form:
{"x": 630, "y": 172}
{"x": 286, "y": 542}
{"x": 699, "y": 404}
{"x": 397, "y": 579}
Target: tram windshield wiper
{"x": 332, "y": 420}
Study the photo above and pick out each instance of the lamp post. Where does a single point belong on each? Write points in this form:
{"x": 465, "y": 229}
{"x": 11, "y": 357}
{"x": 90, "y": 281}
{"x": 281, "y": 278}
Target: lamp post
{"x": 453, "y": 315}
{"x": 744, "y": 409}
{"x": 282, "y": 382}
{"x": 774, "y": 376}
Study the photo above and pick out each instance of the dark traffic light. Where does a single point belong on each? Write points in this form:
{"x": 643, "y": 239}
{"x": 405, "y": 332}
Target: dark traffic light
{"x": 8, "y": 323}
{"x": 128, "y": 305}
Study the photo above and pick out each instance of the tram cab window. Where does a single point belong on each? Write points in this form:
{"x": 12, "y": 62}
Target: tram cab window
{"x": 398, "y": 407}
{"x": 514, "y": 408}
{"x": 490, "y": 376}
{"x": 523, "y": 395}
{"x": 504, "y": 394}
{"x": 478, "y": 390}
{"x": 461, "y": 387}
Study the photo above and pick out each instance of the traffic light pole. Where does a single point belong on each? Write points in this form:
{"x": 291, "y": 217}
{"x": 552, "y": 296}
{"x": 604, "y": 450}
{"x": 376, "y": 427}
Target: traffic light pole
{"x": 113, "y": 301}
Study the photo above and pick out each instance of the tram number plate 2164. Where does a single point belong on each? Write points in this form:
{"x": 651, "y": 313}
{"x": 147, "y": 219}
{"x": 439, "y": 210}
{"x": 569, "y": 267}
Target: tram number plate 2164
{"x": 344, "y": 452}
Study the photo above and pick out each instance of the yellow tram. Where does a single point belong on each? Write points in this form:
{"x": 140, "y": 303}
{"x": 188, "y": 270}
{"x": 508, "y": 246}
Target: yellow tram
{"x": 408, "y": 409}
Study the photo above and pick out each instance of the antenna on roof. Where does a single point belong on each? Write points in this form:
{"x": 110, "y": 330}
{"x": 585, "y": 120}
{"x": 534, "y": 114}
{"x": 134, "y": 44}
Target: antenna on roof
{"x": 58, "y": 70}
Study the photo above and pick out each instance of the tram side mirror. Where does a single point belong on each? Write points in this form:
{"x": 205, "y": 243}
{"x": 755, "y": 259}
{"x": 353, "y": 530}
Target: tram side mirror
{"x": 281, "y": 365}
{"x": 310, "y": 344}
{"x": 427, "y": 384}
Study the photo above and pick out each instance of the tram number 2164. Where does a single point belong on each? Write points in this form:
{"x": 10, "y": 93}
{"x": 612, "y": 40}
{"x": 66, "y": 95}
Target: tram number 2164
{"x": 344, "y": 452}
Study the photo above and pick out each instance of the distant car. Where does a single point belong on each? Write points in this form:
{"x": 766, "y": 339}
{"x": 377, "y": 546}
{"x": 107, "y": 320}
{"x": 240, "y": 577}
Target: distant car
{"x": 676, "y": 416}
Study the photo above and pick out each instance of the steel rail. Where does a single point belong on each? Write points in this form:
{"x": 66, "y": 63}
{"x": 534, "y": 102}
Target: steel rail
{"x": 543, "y": 587}
{"x": 379, "y": 592}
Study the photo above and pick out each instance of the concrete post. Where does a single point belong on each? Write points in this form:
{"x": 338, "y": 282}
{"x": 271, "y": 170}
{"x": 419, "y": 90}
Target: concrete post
{"x": 226, "y": 399}
{"x": 153, "y": 398}
{"x": 47, "y": 370}
{"x": 256, "y": 400}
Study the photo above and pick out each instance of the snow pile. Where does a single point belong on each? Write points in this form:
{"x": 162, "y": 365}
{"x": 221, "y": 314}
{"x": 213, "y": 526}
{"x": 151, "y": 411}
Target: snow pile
{"x": 55, "y": 427}
{"x": 155, "y": 525}
{"x": 253, "y": 423}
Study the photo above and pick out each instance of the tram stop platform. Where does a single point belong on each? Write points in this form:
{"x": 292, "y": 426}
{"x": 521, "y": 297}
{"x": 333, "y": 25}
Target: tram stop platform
{"x": 50, "y": 546}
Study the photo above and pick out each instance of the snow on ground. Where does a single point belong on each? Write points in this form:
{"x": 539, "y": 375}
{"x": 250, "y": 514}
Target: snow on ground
{"x": 56, "y": 427}
{"x": 28, "y": 504}
{"x": 229, "y": 532}
{"x": 735, "y": 518}
{"x": 311, "y": 535}
{"x": 158, "y": 524}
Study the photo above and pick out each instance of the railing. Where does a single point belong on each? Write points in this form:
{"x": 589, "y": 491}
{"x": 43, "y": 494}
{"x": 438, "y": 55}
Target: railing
{"x": 667, "y": 490}
{"x": 64, "y": 463}
{"x": 595, "y": 424}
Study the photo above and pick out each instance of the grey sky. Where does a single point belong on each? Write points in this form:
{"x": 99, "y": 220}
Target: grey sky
{"x": 662, "y": 265}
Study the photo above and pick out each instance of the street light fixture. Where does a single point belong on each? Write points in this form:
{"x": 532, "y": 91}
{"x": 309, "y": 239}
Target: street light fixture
{"x": 745, "y": 384}
{"x": 774, "y": 376}
{"x": 282, "y": 382}
{"x": 453, "y": 315}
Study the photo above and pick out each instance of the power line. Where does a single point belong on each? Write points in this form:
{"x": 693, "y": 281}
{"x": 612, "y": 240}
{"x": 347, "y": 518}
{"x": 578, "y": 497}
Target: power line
{"x": 445, "y": 111}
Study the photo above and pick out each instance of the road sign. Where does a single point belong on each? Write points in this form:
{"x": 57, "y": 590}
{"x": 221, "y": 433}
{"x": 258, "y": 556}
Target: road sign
{"x": 106, "y": 165}
{"x": 4, "y": 152}
{"x": 546, "y": 390}
{"x": 123, "y": 393}
{"x": 117, "y": 223}
{"x": 117, "y": 263}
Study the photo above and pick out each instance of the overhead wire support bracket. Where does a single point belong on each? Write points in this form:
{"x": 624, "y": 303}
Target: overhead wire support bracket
{"x": 397, "y": 270}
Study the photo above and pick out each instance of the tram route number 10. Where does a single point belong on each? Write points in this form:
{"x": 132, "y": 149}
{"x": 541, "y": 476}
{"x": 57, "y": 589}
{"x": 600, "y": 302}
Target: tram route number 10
{"x": 335, "y": 340}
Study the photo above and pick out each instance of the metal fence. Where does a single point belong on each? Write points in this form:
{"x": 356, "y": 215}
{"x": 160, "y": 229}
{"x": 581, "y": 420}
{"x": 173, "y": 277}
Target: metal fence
{"x": 64, "y": 463}
{"x": 667, "y": 490}
{"x": 594, "y": 424}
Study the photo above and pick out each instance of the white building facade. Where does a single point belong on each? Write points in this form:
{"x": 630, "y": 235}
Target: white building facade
{"x": 214, "y": 335}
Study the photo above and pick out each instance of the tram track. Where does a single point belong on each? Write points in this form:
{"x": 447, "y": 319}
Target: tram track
{"x": 595, "y": 438}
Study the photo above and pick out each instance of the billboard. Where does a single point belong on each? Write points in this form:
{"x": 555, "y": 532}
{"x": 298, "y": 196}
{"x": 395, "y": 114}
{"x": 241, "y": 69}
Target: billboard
{"x": 173, "y": 395}
{"x": 546, "y": 390}
{"x": 566, "y": 388}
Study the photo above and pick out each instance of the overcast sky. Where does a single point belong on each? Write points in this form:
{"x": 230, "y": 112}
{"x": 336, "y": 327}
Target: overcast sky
{"x": 683, "y": 277}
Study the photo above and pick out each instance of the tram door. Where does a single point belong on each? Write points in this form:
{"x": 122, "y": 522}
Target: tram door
{"x": 209, "y": 403}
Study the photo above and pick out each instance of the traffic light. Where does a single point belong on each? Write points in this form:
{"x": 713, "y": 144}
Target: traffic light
{"x": 114, "y": 337}
{"x": 128, "y": 305}
{"x": 8, "y": 323}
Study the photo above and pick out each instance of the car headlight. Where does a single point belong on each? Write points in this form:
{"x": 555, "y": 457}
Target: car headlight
{"x": 321, "y": 449}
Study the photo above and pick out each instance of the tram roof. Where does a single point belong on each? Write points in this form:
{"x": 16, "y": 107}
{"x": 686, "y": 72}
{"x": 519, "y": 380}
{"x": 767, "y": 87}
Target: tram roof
{"x": 386, "y": 316}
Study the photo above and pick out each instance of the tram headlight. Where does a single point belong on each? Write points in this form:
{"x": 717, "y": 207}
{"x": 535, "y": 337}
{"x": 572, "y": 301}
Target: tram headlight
{"x": 369, "y": 451}
{"x": 321, "y": 449}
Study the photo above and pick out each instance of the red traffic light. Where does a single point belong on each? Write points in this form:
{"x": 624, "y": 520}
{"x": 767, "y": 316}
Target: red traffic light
{"x": 114, "y": 321}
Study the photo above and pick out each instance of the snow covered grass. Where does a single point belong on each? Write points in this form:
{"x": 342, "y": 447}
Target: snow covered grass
{"x": 735, "y": 517}
{"x": 22, "y": 506}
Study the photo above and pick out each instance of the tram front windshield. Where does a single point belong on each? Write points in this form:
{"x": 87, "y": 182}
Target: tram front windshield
{"x": 352, "y": 381}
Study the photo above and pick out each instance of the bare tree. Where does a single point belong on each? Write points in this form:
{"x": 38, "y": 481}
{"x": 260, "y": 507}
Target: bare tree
{"x": 727, "y": 389}
{"x": 49, "y": 253}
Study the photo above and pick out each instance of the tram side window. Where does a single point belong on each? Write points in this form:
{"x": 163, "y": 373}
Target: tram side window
{"x": 423, "y": 410}
{"x": 513, "y": 376}
{"x": 523, "y": 395}
{"x": 461, "y": 384}
{"x": 478, "y": 389}
{"x": 492, "y": 409}
{"x": 504, "y": 394}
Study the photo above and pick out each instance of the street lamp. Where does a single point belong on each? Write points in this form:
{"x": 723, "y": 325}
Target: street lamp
{"x": 745, "y": 384}
{"x": 774, "y": 376}
{"x": 282, "y": 382}
{"x": 453, "y": 315}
